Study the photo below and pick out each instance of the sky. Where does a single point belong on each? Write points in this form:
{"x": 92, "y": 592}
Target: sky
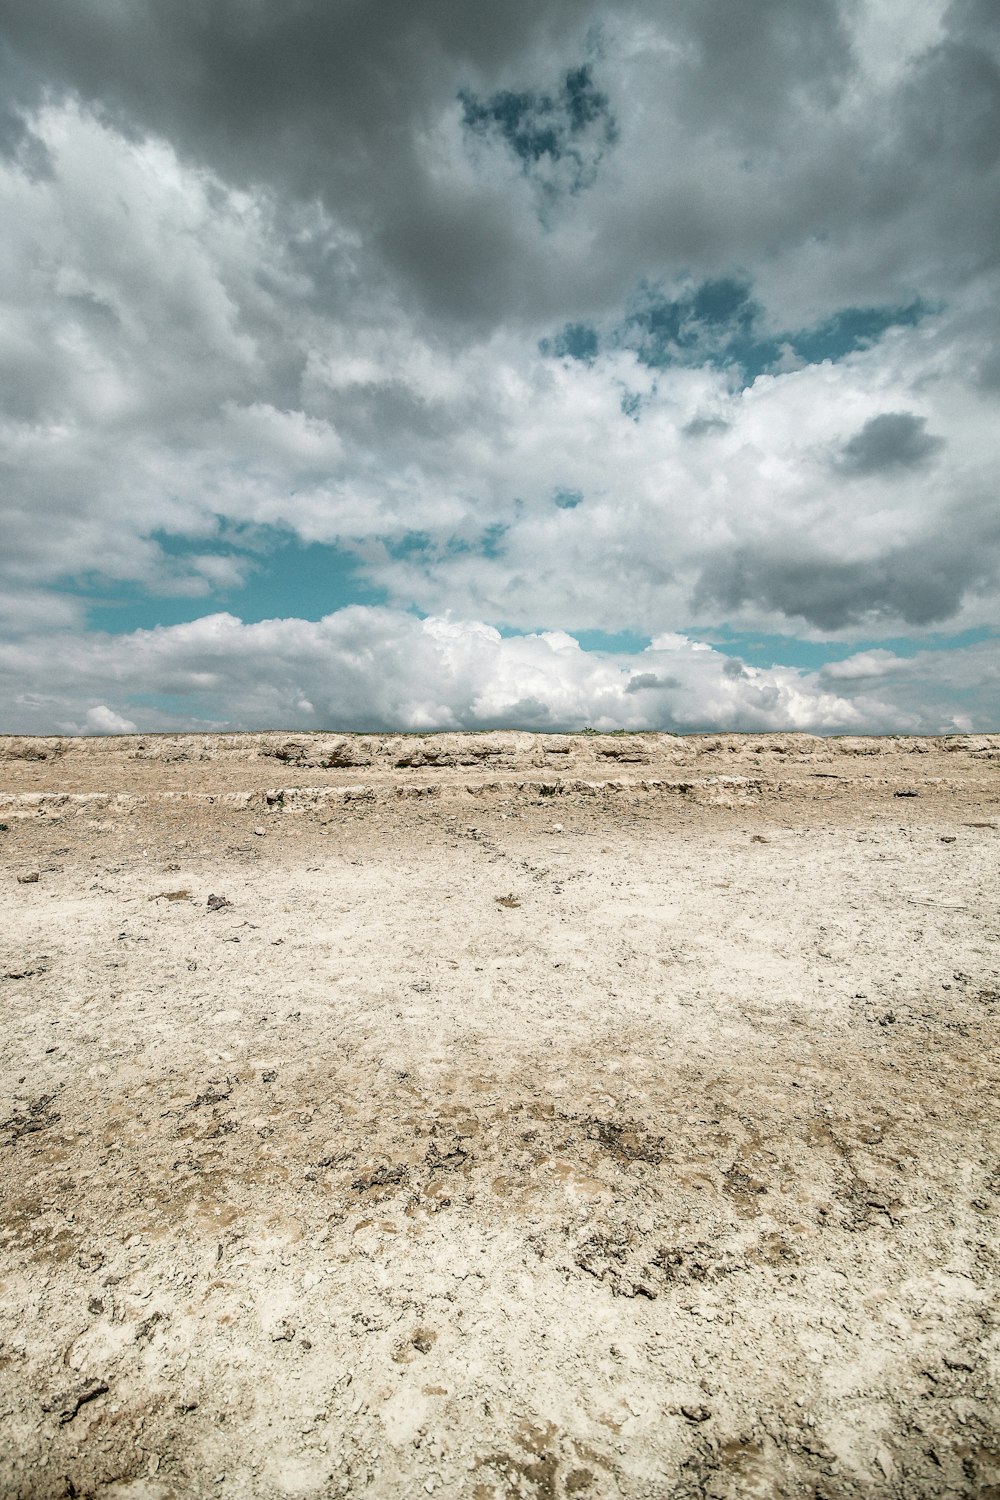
{"x": 542, "y": 363}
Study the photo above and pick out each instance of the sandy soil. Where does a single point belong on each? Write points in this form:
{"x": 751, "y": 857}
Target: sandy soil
{"x": 551, "y": 1117}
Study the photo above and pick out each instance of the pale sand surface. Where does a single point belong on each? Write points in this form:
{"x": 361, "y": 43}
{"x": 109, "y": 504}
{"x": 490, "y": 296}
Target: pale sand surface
{"x": 675, "y": 1175}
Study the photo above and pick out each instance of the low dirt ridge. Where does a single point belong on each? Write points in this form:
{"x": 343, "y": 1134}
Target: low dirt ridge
{"x": 504, "y": 1115}
{"x": 134, "y": 755}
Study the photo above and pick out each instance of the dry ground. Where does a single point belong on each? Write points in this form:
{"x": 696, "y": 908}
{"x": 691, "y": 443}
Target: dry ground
{"x": 578, "y": 1117}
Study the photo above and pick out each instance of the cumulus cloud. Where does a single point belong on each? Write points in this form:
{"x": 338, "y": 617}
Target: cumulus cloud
{"x": 379, "y": 669}
{"x": 103, "y": 720}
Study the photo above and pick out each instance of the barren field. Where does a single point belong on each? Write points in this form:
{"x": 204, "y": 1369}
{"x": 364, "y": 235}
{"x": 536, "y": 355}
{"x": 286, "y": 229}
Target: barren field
{"x": 499, "y": 1115}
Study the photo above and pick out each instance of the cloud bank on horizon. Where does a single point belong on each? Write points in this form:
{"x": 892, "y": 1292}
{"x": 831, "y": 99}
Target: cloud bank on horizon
{"x": 536, "y": 365}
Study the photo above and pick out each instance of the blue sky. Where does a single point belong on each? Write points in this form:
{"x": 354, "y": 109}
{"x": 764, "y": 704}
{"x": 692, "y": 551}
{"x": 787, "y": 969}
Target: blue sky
{"x": 557, "y": 365}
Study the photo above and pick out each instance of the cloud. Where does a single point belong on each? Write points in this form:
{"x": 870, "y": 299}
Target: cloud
{"x": 892, "y": 440}
{"x": 564, "y": 317}
{"x": 749, "y": 524}
{"x": 938, "y": 690}
{"x": 703, "y": 426}
{"x": 644, "y": 682}
{"x": 779, "y": 136}
{"x": 921, "y": 583}
{"x": 378, "y": 669}
{"x": 865, "y": 666}
{"x": 184, "y": 384}
{"x": 103, "y": 720}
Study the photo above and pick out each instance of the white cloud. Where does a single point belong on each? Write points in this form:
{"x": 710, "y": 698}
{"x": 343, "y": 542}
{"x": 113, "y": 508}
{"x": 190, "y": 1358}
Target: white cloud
{"x": 864, "y": 666}
{"x": 28, "y": 611}
{"x": 381, "y": 669}
{"x": 103, "y": 720}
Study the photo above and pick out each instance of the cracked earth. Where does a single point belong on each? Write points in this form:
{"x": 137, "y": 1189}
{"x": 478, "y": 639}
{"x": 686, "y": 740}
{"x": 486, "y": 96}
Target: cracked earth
{"x": 504, "y": 1115}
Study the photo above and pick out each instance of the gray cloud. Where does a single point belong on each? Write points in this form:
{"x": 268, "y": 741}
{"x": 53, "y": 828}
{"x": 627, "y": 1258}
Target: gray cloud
{"x": 644, "y": 682}
{"x": 892, "y": 440}
{"x": 345, "y": 102}
{"x": 702, "y": 426}
{"x": 742, "y": 60}
{"x": 19, "y": 144}
{"x": 920, "y": 583}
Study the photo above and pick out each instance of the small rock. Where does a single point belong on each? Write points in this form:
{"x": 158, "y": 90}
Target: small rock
{"x": 283, "y": 1333}
{"x": 30, "y": 879}
{"x": 259, "y": 832}
{"x": 906, "y": 792}
{"x": 380, "y": 1177}
{"x": 695, "y": 1413}
{"x": 69, "y": 1402}
{"x": 216, "y": 903}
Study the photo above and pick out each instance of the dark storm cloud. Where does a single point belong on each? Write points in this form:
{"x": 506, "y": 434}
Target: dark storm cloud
{"x": 233, "y": 74}
{"x": 953, "y": 98}
{"x": 310, "y": 95}
{"x": 741, "y": 59}
{"x": 337, "y": 99}
{"x": 892, "y": 440}
{"x": 948, "y": 136}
